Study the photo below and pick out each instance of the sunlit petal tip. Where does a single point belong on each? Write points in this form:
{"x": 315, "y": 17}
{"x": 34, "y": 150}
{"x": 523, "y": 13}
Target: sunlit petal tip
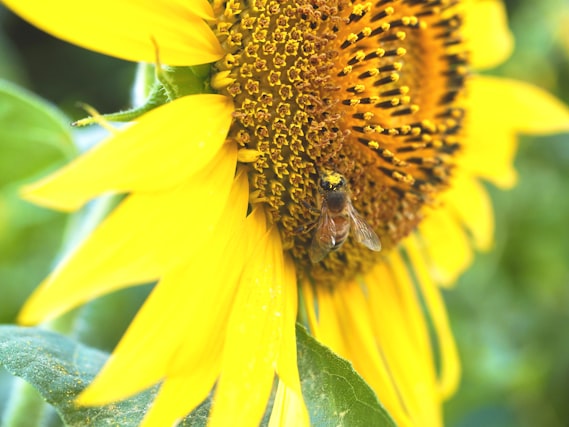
{"x": 154, "y": 154}
{"x": 45, "y": 193}
{"x": 33, "y": 311}
{"x": 95, "y": 395}
{"x": 51, "y": 299}
{"x": 129, "y": 28}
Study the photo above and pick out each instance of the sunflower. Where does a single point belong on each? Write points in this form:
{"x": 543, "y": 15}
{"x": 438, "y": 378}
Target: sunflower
{"x": 230, "y": 189}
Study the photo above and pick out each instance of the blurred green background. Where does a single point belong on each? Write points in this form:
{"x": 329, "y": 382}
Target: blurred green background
{"x": 510, "y": 312}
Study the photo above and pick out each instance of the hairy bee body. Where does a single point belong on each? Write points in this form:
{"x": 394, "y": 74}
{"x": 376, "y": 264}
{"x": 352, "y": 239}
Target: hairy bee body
{"x": 337, "y": 218}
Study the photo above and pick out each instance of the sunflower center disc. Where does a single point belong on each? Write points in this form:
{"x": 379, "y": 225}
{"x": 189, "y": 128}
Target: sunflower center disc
{"x": 368, "y": 89}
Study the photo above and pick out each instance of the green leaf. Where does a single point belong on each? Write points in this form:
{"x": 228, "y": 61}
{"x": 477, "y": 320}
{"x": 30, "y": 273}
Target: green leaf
{"x": 60, "y": 368}
{"x": 33, "y": 134}
{"x": 334, "y": 392}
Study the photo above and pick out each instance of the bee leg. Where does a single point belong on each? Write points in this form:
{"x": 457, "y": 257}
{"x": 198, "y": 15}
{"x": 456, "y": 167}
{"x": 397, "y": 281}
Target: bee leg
{"x": 310, "y": 207}
{"x": 305, "y": 228}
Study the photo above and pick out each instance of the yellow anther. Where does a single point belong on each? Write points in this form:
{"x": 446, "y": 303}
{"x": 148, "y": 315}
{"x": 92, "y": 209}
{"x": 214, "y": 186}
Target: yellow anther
{"x": 248, "y": 155}
{"x": 352, "y": 38}
{"x": 360, "y": 55}
{"x": 221, "y": 80}
{"x": 373, "y": 144}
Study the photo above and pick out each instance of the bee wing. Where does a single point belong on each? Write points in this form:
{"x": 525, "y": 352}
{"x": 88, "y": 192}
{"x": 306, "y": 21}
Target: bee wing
{"x": 324, "y": 237}
{"x": 363, "y": 232}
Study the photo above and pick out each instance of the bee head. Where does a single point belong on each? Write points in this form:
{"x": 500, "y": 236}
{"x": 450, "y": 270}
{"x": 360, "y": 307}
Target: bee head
{"x": 332, "y": 181}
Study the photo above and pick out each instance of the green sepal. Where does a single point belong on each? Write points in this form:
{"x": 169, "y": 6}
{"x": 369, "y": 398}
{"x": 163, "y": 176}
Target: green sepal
{"x": 170, "y": 83}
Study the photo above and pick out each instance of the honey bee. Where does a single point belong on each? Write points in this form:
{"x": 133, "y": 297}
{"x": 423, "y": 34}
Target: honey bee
{"x": 337, "y": 216}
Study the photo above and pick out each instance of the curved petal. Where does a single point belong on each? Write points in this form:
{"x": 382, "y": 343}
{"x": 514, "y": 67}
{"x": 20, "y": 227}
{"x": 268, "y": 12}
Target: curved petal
{"x": 470, "y": 202}
{"x": 489, "y": 40}
{"x": 117, "y": 254}
{"x": 446, "y": 244}
{"x": 254, "y": 335}
{"x": 129, "y": 29}
{"x": 401, "y": 331}
{"x": 287, "y": 368}
{"x": 520, "y": 106}
{"x": 166, "y": 147}
{"x": 288, "y": 409}
{"x": 356, "y": 321}
{"x": 182, "y": 294}
{"x": 449, "y": 361}
{"x": 515, "y": 107}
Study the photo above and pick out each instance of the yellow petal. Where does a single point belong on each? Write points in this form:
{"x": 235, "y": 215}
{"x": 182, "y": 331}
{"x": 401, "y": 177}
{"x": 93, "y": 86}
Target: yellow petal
{"x": 448, "y": 248}
{"x": 499, "y": 109}
{"x": 195, "y": 366}
{"x": 185, "y": 350}
{"x": 202, "y": 8}
{"x": 287, "y": 367}
{"x": 178, "y": 396}
{"x": 254, "y": 335}
{"x": 470, "y": 202}
{"x": 144, "y": 237}
{"x": 486, "y": 32}
{"x": 448, "y": 354}
{"x": 330, "y": 324}
{"x": 288, "y": 409}
{"x": 401, "y": 332}
{"x": 168, "y": 145}
{"x": 309, "y": 300}
{"x": 520, "y": 106}
{"x": 356, "y": 321}
{"x": 127, "y": 29}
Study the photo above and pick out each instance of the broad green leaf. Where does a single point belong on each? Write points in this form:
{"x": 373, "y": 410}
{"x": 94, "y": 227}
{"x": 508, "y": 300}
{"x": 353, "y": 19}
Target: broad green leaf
{"x": 334, "y": 392}
{"x": 60, "y": 368}
{"x": 33, "y": 134}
